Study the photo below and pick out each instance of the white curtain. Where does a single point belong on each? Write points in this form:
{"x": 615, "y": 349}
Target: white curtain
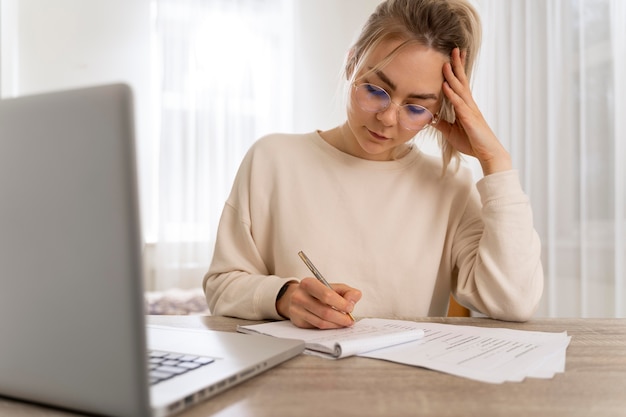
{"x": 551, "y": 82}
{"x": 222, "y": 70}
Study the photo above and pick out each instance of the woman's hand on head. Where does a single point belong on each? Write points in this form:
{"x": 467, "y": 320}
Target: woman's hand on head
{"x": 310, "y": 304}
{"x": 470, "y": 134}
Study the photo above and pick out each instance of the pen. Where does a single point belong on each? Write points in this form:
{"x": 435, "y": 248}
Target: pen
{"x": 317, "y": 274}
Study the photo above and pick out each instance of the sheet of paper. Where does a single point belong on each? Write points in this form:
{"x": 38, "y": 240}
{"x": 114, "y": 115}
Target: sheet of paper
{"x": 485, "y": 354}
{"x": 364, "y": 336}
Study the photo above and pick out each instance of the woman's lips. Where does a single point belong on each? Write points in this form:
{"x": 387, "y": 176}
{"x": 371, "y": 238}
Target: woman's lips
{"x": 377, "y": 136}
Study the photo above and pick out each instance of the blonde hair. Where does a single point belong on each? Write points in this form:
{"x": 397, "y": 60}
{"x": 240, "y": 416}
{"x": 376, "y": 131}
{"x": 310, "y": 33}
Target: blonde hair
{"x": 438, "y": 24}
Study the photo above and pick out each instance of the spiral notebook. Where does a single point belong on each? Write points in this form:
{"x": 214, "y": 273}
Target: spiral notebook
{"x": 365, "y": 335}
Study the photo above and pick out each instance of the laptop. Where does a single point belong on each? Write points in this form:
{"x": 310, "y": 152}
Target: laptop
{"x": 73, "y": 333}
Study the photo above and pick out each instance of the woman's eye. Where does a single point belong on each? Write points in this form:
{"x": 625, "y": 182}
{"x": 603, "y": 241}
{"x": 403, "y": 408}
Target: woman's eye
{"x": 415, "y": 109}
{"x": 376, "y": 91}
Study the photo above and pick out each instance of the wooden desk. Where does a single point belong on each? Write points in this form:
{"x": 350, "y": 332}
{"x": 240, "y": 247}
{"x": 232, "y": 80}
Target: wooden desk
{"x": 593, "y": 385}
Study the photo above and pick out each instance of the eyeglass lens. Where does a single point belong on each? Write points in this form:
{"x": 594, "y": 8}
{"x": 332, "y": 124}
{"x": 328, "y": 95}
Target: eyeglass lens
{"x": 373, "y": 98}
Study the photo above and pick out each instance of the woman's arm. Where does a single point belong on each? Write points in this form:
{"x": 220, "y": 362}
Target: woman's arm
{"x": 498, "y": 252}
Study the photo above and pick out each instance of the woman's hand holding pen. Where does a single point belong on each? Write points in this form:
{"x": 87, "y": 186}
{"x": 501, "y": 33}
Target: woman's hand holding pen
{"x": 470, "y": 134}
{"x": 310, "y": 304}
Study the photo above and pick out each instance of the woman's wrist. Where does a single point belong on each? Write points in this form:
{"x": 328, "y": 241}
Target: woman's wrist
{"x": 283, "y": 299}
{"x": 499, "y": 163}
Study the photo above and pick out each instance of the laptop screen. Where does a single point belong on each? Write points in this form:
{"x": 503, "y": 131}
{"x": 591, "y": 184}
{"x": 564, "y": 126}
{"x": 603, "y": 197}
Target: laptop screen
{"x": 71, "y": 315}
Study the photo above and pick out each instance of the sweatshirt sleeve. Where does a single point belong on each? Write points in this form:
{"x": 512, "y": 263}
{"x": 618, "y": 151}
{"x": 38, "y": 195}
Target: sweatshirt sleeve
{"x": 498, "y": 252}
{"x": 238, "y": 283}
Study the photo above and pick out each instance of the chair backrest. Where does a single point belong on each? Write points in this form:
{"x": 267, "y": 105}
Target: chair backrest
{"x": 457, "y": 310}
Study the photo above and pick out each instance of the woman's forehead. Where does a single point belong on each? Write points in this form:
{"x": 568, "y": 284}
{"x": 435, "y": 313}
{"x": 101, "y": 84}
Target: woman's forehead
{"x": 414, "y": 63}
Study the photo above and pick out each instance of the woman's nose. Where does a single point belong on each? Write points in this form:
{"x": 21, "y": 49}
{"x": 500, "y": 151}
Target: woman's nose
{"x": 389, "y": 116}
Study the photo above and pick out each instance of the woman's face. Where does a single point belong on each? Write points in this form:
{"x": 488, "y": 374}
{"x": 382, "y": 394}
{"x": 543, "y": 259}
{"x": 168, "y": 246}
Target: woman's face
{"x": 414, "y": 76}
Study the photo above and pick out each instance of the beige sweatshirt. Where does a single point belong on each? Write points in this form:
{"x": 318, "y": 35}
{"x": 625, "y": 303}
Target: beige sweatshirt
{"x": 399, "y": 231}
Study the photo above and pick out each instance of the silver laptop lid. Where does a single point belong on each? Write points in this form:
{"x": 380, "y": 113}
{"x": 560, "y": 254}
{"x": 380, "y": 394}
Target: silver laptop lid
{"x": 71, "y": 305}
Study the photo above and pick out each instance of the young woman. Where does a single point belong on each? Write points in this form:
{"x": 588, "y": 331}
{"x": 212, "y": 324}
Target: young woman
{"x": 396, "y": 229}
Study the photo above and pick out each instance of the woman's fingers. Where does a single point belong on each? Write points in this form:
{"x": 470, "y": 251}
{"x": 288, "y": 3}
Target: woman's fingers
{"x": 315, "y": 305}
{"x": 456, "y": 86}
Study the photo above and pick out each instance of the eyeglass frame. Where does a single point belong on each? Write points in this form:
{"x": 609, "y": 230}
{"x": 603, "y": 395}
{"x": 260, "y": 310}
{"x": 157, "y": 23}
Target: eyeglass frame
{"x": 433, "y": 117}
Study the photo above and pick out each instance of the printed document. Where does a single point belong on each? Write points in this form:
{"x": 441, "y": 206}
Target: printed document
{"x": 493, "y": 355}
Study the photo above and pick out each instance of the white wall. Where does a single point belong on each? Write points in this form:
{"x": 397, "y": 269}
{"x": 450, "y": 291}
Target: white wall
{"x": 72, "y": 43}
{"x": 66, "y": 43}
{"x": 325, "y": 31}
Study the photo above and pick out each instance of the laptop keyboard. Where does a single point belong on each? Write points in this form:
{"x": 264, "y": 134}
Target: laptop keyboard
{"x": 166, "y": 365}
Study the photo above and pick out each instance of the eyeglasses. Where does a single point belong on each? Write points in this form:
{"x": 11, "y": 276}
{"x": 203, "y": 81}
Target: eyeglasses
{"x": 375, "y": 99}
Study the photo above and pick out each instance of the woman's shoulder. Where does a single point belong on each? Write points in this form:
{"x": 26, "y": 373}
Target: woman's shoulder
{"x": 275, "y": 141}
{"x": 456, "y": 172}
{"x": 279, "y": 149}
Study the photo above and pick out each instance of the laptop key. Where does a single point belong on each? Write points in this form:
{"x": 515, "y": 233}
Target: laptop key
{"x": 189, "y": 365}
{"x": 174, "y": 356}
{"x": 160, "y": 375}
{"x": 172, "y": 369}
{"x": 204, "y": 360}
